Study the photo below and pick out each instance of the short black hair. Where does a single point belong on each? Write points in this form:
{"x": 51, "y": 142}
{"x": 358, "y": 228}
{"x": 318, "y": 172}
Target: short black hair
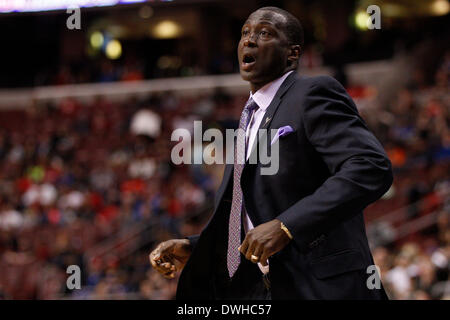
{"x": 293, "y": 27}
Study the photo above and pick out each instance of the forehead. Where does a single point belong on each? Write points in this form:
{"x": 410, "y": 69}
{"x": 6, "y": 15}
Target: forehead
{"x": 266, "y": 16}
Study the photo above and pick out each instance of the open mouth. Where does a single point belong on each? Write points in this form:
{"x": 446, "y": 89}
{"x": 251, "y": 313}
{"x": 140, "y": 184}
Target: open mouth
{"x": 247, "y": 61}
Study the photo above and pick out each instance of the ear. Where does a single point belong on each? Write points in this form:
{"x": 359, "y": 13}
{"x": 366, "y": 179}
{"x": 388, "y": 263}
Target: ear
{"x": 294, "y": 54}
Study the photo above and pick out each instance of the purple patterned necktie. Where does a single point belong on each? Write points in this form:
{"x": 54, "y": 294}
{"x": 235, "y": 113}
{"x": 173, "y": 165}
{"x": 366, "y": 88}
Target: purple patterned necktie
{"x": 234, "y": 226}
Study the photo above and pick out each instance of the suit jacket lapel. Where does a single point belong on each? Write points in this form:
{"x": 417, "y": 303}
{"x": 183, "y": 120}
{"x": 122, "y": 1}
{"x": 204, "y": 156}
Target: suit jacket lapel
{"x": 223, "y": 186}
{"x": 272, "y": 108}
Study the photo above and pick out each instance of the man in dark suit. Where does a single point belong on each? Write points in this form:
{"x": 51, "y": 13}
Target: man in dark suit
{"x": 303, "y": 227}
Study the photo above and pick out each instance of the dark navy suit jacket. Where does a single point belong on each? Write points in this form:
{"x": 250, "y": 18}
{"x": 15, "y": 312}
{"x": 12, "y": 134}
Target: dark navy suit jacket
{"x": 330, "y": 168}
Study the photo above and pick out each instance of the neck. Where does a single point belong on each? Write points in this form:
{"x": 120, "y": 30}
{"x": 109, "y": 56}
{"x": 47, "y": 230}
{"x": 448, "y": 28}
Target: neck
{"x": 255, "y": 86}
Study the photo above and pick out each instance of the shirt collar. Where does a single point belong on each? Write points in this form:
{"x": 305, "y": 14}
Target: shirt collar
{"x": 264, "y": 96}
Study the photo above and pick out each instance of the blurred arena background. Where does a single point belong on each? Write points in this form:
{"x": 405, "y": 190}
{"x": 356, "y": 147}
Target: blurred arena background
{"x": 86, "y": 117}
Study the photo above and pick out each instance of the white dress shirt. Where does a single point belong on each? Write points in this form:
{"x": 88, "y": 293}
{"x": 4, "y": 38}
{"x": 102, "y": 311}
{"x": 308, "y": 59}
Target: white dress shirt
{"x": 263, "y": 97}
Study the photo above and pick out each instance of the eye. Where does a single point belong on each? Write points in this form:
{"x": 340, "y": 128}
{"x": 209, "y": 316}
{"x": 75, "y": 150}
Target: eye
{"x": 245, "y": 32}
{"x": 264, "y": 33}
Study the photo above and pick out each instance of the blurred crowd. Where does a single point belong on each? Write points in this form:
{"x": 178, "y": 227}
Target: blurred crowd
{"x": 85, "y": 183}
{"x": 77, "y": 174}
{"x": 416, "y": 271}
{"x": 131, "y": 68}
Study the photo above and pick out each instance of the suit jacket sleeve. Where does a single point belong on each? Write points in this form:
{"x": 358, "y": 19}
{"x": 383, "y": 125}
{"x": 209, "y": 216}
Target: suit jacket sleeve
{"x": 360, "y": 169}
{"x": 193, "y": 240}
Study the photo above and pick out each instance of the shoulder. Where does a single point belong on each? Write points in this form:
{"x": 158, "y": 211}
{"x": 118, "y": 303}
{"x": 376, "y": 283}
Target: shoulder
{"x": 321, "y": 82}
{"x": 320, "y": 91}
{"x": 318, "y": 87}
{"x": 307, "y": 91}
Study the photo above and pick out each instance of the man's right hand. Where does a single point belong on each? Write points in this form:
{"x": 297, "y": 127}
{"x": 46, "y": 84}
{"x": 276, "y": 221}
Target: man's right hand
{"x": 170, "y": 256}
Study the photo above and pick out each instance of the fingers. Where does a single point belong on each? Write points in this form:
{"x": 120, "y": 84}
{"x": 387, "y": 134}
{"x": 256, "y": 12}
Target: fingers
{"x": 154, "y": 259}
{"x": 164, "y": 268}
{"x": 171, "y": 270}
{"x": 257, "y": 252}
{"x": 162, "y": 249}
{"x": 244, "y": 246}
{"x": 169, "y": 275}
{"x": 169, "y": 267}
{"x": 160, "y": 266}
{"x": 161, "y": 260}
{"x": 265, "y": 256}
{"x": 251, "y": 248}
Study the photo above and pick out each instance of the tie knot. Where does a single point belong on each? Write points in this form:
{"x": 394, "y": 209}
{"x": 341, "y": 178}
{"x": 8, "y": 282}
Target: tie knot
{"x": 251, "y": 105}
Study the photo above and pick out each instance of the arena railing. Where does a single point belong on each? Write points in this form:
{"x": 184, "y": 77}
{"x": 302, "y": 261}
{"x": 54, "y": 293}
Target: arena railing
{"x": 399, "y": 215}
{"x": 383, "y": 74}
{"x": 135, "y": 236}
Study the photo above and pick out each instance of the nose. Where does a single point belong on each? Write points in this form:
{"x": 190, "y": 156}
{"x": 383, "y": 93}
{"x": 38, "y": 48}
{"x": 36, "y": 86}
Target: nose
{"x": 250, "y": 41}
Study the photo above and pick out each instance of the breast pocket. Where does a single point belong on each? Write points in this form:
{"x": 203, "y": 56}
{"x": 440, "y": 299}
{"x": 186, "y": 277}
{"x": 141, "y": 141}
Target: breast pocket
{"x": 285, "y": 152}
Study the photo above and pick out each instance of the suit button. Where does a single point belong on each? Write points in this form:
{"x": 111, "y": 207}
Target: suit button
{"x": 316, "y": 242}
{"x": 312, "y": 244}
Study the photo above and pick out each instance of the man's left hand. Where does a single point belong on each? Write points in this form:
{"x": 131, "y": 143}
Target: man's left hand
{"x": 264, "y": 241}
